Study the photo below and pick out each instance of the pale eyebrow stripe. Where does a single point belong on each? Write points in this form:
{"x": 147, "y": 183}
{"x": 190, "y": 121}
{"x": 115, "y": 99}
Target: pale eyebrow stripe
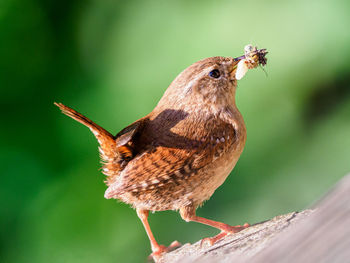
{"x": 206, "y": 70}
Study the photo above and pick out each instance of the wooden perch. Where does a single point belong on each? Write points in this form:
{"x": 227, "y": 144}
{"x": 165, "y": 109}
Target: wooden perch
{"x": 321, "y": 234}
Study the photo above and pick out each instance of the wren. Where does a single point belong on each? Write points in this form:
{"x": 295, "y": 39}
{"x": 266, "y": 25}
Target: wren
{"x": 175, "y": 157}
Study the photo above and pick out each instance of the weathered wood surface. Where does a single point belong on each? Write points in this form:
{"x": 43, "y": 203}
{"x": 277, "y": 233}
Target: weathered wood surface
{"x": 321, "y": 234}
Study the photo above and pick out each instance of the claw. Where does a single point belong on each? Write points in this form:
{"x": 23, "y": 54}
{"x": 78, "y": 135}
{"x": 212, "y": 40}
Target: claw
{"x": 212, "y": 240}
{"x": 158, "y": 251}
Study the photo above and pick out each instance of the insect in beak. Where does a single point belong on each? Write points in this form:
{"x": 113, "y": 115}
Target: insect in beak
{"x": 252, "y": 58}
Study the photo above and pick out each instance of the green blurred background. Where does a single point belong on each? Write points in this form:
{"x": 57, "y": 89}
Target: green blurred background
{"x": 112, "y": 60}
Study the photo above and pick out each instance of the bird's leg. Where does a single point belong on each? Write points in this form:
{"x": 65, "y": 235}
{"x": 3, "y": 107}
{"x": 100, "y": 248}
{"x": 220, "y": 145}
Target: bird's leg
{"x": 189, "y": 214}
{"x": 157, "y": 249}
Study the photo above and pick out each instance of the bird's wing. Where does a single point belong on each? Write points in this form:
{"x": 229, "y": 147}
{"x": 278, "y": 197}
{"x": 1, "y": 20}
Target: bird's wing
{"x": 170, "y": 159}
{"x": 155, "y": 168}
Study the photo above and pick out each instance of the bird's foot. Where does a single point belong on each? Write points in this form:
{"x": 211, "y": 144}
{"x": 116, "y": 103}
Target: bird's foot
{"x": 230, "y": 229}
{"x": 160, "y": 249}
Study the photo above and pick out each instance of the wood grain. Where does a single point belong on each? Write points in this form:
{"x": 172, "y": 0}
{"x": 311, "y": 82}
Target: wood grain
{"x": 320, "y": 234}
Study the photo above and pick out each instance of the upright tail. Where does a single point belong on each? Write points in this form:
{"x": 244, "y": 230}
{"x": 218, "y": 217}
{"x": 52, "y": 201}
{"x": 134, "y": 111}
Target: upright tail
{"x": 105, "y": 139}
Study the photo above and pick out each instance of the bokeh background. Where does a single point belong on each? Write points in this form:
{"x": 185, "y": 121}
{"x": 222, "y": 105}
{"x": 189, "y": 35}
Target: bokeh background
{"x": 112, "y": 60}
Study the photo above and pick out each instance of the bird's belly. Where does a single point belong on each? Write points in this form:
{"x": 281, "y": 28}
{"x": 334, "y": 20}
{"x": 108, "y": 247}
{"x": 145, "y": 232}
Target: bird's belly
{"x": 211, "y": 178}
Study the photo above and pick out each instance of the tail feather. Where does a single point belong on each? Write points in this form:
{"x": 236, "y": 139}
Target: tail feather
{"x": 105, "y": 139}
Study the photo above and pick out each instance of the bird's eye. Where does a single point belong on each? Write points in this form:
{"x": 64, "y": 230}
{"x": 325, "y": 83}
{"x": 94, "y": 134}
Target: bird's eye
{"x": 214, "y": 74}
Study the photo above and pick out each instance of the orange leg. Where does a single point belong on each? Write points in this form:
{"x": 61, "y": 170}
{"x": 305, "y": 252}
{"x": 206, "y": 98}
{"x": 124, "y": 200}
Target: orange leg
{"x": 157, "y": 249}
{"x": 189, "y": 214}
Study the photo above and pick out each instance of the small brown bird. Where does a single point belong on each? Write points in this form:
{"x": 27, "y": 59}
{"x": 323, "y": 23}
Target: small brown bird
{"x": 175, "y": 157}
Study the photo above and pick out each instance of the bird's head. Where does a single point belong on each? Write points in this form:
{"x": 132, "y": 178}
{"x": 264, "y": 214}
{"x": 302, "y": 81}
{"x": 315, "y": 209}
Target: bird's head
{"x": 211, "y": 82}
